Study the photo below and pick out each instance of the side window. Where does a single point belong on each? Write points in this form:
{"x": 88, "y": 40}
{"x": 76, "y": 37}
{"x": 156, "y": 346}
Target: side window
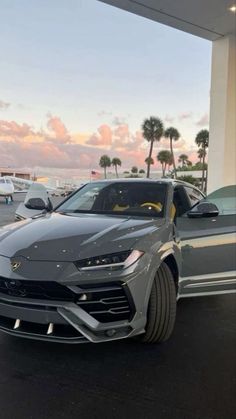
{"x": 180, "y": 201}
{"x": 194, "y": 195}
{"x": 225, "y": 200}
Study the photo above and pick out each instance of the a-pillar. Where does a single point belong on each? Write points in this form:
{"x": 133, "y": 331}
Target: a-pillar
{"x": 222, "y": 141}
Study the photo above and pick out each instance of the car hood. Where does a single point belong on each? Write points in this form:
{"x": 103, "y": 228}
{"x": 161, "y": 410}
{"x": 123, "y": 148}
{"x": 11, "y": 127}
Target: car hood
{"x": 60, "y": 237}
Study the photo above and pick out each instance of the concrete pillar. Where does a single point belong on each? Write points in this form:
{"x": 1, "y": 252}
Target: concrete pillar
{"x": 222, "y": 141}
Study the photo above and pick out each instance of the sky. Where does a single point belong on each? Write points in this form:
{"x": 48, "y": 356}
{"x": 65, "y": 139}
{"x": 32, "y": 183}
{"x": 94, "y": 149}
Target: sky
{"x": 78, "y": 77}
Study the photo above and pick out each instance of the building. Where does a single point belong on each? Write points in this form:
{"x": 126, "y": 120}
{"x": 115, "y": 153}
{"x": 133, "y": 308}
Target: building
{"x": 5, "y": 171}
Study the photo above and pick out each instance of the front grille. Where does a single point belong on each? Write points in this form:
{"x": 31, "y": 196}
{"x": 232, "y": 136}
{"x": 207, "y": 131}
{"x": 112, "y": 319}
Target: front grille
{"x": 60, "y": 331}
{"x": 44, "y": 290}
{"x": 107, "y": 303}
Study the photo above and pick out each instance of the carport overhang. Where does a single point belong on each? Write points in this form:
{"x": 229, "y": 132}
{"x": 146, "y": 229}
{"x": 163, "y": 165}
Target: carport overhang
{"x": 215, "y": 21}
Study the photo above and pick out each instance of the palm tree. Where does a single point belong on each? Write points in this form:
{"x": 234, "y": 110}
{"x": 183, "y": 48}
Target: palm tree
{"x": 164, "y": 157}
{"x": 153, "y": 130}
{"x": 173, "y": 134}
{"x": 170, "y": 162}
{"x": 115, "y": 163}
{"x": 202, "y": 140}
{"x": 105, "y": 162}
{"x": 149, "y": 160}
{"x": 183, "y": 158}
{"x": 201, "y": 153}
{"x": 134, "y": 169}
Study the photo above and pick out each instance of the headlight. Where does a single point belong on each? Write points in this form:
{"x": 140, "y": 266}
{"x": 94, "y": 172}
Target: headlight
{"x": 112, "y": 261}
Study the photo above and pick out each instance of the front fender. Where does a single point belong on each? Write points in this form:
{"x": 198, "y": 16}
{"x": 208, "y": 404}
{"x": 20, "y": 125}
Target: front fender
{"x": 170, "y": 248}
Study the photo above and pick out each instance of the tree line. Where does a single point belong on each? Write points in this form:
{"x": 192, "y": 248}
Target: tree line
{"x": 106, "y": 162}
{"x": 153, "y": 130}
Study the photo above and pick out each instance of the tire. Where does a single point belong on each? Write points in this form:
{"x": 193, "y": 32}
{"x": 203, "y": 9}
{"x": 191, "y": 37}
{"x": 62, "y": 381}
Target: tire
{"x": 161, "y": 308}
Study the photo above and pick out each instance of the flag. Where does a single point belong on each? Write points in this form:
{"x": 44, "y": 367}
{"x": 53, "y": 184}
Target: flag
{"x": 94, "y": 174}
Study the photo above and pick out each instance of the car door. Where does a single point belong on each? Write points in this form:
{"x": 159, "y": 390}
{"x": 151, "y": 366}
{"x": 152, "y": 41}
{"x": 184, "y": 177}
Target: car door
{"x": 208, "y": 246}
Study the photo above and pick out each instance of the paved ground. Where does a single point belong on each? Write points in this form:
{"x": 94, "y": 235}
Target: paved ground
{"x": 193, "y": 376}
{"x": 7, "y": 212}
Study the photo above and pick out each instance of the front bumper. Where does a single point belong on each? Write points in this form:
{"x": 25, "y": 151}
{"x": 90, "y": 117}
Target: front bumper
{"x": 102, "y": 309}
{"x": 67, "y": 321}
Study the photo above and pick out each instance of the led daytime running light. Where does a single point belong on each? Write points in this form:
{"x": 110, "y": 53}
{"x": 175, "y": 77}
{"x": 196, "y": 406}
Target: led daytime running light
{"x": 118, "y": 260}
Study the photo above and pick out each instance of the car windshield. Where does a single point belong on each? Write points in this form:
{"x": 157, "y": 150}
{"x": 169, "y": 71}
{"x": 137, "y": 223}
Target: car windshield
{"x": 118, "y": 198}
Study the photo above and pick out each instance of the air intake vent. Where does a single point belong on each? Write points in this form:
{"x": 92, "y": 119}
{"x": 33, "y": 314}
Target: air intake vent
{"x": 107, "y": 303}
{"x": 44, "y": 290}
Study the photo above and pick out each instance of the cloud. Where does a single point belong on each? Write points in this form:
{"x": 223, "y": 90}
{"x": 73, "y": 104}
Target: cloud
{"x": 121, "y": 137}
{"x": 58, "y": 129}
{"x": 203, "y": 121}
{"x": 131, "y": 148}
{"x": 169, "y": 119}
{"x": 133, "y": 158}
{"x": 4, "y": 105}
{"x": 21, "y": 106}
{"x": 119, "y": 120}
{"x": 80, "y": 137}
{"x": 47, "y": 154}
{"x": 104, "y": 113}
{"x": 55, "y": 147}
{"x": 21, "y": 145}
{"x": 102, "y": 138}
{"x": 35, "y": 154}
{"x": 184, "y": 115}
{"x": 192, "y": 156}
{"x": 95, "y": 139}
{"x": 122, "y": 132}
{"x": 105, "y": 133}
{"x": 181, "y": 144}
{"x": 13, "y": 129}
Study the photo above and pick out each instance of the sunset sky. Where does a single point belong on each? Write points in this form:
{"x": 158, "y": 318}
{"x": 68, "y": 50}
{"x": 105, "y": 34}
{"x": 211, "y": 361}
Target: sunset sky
{"x": 77, "y": 78}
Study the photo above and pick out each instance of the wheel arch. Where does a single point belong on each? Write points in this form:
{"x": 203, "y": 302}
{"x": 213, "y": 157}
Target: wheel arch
{"x": 171, "y": 262}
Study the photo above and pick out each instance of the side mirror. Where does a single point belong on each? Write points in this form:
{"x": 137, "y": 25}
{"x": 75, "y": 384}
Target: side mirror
{"x": 203, "y": 210}
{"x": 36, "y": 204}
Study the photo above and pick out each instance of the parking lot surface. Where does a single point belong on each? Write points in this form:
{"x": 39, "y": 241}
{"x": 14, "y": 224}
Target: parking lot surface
{"x": 192, "y": 376}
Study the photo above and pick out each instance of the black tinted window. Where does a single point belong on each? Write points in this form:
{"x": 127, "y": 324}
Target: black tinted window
{"x": 137, "y": 198}
{"x": 194, "y": 195}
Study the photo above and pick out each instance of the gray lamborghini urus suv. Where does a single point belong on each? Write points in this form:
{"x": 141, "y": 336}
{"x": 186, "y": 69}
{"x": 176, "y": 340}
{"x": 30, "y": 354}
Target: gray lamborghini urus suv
{"x": 113, "y": 258}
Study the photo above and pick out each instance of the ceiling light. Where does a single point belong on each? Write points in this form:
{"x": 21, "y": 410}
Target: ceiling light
{"x": 233, "y": 8}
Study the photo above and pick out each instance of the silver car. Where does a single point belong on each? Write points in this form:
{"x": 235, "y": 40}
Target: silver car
{"x": 111, "y": 260}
